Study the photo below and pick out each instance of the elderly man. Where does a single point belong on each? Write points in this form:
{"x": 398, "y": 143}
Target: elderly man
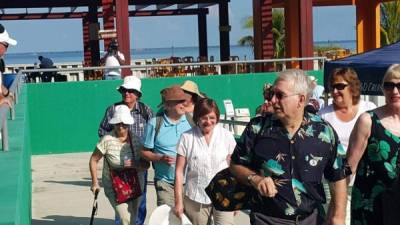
{"x": 162, "y": 136}
{"x": 284, "y": 156}
{"x": 5, "y": 41}
{"x": 141, "y": 113}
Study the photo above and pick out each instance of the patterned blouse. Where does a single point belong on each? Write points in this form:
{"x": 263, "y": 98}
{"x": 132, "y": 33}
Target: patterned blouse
{"x": 296, "y": 164}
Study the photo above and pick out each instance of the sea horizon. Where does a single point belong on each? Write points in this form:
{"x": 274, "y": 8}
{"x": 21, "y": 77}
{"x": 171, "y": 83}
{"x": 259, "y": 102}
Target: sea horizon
{"x": 76, "y": 56}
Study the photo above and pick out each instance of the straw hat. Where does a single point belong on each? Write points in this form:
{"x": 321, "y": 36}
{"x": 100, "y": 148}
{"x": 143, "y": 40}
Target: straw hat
{"x": 131, "y": 83}
{"x": 4, "y": 37}
{"x": 191, "y": 87}
{"x": 163, "y": 215}
{"x": 122, "y": 114}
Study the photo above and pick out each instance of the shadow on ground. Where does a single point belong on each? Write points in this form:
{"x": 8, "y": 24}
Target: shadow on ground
{"x": 70, "y": 220}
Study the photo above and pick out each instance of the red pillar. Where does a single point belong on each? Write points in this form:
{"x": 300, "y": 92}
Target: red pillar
{"x": 263, "y": 38}
{"x": 108, "y": 19}
{"x": 87, "y": 58}
{"x": 122, "y": 21}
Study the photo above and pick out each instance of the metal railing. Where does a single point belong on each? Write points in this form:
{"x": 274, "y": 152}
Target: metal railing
{"x": 5, "y": 109}
{"x": 151, "y": 67}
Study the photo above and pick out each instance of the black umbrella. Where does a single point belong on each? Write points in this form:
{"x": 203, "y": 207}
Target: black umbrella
{"x": 94, "y": 209}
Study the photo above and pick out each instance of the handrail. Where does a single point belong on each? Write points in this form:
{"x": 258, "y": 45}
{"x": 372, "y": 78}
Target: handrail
{"x": 323, "y": 59}
{"x": 5, "y": 109}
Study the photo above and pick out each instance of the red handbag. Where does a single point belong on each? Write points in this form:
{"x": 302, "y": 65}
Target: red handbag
{"x": 125, "y": 182}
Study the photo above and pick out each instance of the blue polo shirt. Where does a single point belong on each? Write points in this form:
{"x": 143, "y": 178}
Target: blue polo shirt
{"x": 165, "y": 143}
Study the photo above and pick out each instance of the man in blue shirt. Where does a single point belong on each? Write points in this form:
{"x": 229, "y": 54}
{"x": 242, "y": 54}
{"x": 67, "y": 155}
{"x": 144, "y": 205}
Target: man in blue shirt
{"x": 161, "y": 137}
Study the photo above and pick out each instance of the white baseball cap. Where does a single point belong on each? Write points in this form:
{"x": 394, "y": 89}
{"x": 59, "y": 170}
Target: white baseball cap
{"x": 122, "y": 114}
{"x": 131, "y": 82}
{"x": 4, "y": 37}
{"x": 163, "y": 215}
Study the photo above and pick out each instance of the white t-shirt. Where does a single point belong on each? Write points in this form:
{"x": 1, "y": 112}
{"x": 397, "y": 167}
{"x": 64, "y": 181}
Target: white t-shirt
{"x": 204, "y": 161}
{"x": 113, "y": 61}
{"x": 343, "y": 129}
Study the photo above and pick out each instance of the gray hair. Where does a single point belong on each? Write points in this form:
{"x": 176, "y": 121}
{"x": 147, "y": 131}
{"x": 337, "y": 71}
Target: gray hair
{"x": 301, "y": 82}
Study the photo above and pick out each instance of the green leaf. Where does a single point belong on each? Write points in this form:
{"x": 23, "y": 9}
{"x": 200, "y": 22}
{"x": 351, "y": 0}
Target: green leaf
{"x": 356, "y": 198}
{"x": 273, "y": 166}
{"x": 384, "y": 149}
{"x": 390, "y": 169}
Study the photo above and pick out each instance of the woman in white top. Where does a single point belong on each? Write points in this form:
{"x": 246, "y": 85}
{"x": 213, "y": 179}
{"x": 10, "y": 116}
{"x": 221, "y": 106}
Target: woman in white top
{"x": 346, "y": 107}
{"x": 117, "y": 151}
{"x": 204, "y": 150}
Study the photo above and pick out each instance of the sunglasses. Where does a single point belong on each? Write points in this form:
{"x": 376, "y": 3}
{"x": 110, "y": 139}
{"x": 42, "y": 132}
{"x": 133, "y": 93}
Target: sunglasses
{"x": 122, "y": 125}
{"x": 280, "y": 95}
{"x": 130, "y": 91}
{"x": 4, "y": 44}
{"x": 339, "y": 86}
{"x": 389, "y": 86}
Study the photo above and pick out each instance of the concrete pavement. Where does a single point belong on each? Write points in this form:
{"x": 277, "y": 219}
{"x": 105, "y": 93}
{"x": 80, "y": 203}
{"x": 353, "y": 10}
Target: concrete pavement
{"x": 61, "y": 192}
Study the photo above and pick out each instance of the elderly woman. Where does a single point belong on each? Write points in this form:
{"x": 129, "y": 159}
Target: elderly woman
{"x": 204, "y": 150}
{"x": 373, "y": 154}
{"x": 119, "y": 152}
{"x": 346, "y": 107}
{"x": 266, "y": 107}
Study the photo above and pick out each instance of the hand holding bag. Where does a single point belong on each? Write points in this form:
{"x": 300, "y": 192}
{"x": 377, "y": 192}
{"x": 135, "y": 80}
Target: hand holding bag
{"x": 125, "y": 182}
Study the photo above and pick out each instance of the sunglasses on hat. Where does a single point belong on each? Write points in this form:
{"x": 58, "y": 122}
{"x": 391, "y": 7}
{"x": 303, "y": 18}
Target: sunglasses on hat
{"x": 389, "y": 86}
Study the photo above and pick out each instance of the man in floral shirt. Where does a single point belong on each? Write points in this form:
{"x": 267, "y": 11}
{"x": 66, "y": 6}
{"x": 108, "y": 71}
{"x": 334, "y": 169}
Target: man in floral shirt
{"x": 284, "y": 156}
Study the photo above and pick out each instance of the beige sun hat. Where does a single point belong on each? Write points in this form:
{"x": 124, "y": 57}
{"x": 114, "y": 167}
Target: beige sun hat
{"x": 122, "y": 114}
{"x": 163, "y": 215}
{"x": 191, "y": 87}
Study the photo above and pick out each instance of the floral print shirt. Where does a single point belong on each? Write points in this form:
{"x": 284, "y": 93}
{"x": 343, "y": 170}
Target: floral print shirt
{"x": 296, "y": 164}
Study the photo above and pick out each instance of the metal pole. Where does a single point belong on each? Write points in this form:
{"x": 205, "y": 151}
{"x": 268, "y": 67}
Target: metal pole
{"x": 4, "y": 135}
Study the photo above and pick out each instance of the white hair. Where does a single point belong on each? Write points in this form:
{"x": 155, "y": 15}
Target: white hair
{"x": 301, "y": 82}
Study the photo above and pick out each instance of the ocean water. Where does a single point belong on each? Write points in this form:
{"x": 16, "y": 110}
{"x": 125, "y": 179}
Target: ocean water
{"x": 244, "y": 53}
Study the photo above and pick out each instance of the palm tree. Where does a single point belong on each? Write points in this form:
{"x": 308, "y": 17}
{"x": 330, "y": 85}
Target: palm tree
{"x": 278, "y": 32}
{"x": 247, "y": 40}
{"x": 390, "y": 22}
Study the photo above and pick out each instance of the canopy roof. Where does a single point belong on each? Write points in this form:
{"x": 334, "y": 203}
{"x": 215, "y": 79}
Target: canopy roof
{"x": 370, "y": 67}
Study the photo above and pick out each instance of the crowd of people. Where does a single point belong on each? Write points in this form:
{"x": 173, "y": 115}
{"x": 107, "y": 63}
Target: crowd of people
{"x": 286, "y": 154}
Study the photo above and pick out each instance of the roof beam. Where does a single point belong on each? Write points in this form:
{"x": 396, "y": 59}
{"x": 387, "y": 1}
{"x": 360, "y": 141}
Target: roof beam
{"x": 139, "y": 7}
{"x": 78, "y": 15}
{"x": 73, "y": 9}
{"x": 159, "y": 7}
{"x": 205, "y": 5}
{"x": 182, "y": 6}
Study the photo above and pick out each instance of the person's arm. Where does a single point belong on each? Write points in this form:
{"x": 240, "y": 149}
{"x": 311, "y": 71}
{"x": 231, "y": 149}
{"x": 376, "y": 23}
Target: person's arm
{"x": 105, "y": 126}
{"x": 358, "y": 140}
{"x": 337, "y": 206}
{"x": 178, "y": 187}
{"x": 94, "y": 159}
{"x": 149, "y": 155}
{"x": 121, "y": 58}
{"x": 264, "y": 185}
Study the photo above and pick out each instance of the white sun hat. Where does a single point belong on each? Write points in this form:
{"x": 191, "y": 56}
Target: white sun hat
{"x": 312, "y": 78}
{"x": 131, "y": 82}
{"x": 122, "y": 114}
{"x": 163, "y": 215}
{"x": 4, "y": 37}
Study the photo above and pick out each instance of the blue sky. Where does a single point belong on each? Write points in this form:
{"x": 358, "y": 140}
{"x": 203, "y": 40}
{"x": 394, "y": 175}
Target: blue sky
{"x": 330, "y": 23}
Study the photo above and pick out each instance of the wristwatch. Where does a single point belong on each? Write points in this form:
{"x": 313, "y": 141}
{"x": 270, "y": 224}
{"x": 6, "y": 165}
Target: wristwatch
{"x": 250, "y": 177}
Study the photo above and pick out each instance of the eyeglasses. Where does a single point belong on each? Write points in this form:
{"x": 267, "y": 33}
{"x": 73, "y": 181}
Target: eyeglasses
{"x": 389, "y": 86}
{"x": 280, "y": 95}
{"x": 339, "y": 86}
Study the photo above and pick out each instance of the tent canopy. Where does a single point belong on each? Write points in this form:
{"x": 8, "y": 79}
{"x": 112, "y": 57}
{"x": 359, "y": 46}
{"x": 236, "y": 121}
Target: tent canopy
{"x": 370, "y": 67}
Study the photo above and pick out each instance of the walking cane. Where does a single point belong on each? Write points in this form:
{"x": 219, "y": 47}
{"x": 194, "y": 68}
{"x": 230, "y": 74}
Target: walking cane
{"x": 94, "y": 209}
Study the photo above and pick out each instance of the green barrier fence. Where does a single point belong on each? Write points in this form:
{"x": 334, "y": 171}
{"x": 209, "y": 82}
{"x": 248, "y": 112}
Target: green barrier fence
{"x": 64, "y": 117}
{"x": 15, "y": 167}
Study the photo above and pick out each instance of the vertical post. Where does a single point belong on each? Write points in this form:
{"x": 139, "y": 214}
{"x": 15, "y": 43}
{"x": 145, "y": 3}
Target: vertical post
{"x": 202, "y": 29}
{"x": 224, "y": 29}
{"x": 306, "y": 33}
{"x": 122, "y": 20}
{"x": 263, "y": 37}
{"x": 108, "y": 19}
{"x": 94, "y": 44}
{"x": 4, "y": 135}
{"x": 368, "y": 25}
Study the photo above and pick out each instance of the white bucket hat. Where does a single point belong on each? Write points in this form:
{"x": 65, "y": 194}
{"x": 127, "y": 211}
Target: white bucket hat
{"x": 122, "y": 114}
{"x": 131, "y": 82}
{"x": 4, "y": 37}
{"x": 163, "y": 215}
{"x": 312, "y": 78}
